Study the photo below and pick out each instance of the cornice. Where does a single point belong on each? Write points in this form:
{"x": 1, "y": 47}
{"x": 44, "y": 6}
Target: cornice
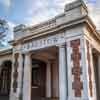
{"x": 84, "y": 19}
{"x": 92, "y": 27}
{"x": 6, "y": 51}
{"x": 60, "y": 27}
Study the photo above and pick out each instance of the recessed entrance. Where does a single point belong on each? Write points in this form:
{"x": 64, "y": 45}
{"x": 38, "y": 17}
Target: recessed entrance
{"x": 44, "y": 74}
{"x": 5, "y": 80}
{"x": 38, "y": 79}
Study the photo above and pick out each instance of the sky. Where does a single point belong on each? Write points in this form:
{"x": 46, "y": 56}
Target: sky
{"x": 35, "y": 11}
{"x": 31, "y": 12}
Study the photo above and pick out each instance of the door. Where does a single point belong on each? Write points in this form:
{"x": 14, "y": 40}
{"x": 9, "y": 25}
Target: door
{"x": 38, "y": 80}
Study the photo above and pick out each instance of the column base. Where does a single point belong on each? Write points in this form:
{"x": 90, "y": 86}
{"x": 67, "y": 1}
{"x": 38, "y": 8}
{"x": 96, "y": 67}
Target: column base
{"x": 13, "y": 97}
{"x": 76, "y": 98}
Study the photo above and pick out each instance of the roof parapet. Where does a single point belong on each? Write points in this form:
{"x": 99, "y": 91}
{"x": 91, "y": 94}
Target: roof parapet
{"x": 75, "y": 4}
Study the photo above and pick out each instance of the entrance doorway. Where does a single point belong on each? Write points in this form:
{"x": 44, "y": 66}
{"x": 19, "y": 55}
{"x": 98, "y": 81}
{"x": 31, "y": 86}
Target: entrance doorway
{"x": 38, "y": 80}
{"x": 5, "y": 80}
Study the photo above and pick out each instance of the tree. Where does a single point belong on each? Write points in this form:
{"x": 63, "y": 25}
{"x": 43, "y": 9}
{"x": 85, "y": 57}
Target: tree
{"x": 3, "y": 30}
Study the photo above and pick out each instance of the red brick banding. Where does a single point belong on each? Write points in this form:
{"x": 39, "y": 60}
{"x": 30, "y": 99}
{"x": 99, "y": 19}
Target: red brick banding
{"x": 15, "y": 73}
{"x": 89, "y": 69}
{"x": 77, "y": 85}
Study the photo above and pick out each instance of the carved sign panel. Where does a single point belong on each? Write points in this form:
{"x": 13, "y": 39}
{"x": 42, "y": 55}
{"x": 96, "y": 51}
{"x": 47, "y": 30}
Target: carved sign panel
{"x": 45, "y": 42}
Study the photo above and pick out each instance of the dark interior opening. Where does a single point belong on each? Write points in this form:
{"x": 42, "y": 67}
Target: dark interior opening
{"x": 5, "y": 80}
{"x": 38, "y": 79}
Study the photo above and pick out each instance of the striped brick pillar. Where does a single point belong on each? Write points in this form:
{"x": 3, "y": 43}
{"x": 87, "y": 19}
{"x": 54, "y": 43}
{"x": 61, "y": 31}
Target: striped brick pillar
{"x": 80, "y": 70}
{"x": 14, "y": 77}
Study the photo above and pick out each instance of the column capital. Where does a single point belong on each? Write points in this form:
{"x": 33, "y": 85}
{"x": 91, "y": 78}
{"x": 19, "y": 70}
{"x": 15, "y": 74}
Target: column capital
{"x": 61, "y": 45}
{"x": 28, "y": 53}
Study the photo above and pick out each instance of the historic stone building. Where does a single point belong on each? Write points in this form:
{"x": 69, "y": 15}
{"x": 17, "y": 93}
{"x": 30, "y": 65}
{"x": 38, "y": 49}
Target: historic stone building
{"x": 55, "y": 60}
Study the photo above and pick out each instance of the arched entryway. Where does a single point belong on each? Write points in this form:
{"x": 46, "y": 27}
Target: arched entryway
{"x": 38, "y": 79}
{"x": 5, "y": 80}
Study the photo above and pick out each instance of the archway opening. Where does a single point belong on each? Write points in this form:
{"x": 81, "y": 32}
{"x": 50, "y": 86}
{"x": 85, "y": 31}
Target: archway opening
{"x": 44, "y": 74}
{"x": 5, "y": 79}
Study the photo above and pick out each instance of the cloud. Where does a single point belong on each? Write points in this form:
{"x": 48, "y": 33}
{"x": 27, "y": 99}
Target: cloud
{"x": 40, "y": 10}
{"x": 6, "y": 3}
{"x": 9, "y": 35}
{"x": 43, "y": 10}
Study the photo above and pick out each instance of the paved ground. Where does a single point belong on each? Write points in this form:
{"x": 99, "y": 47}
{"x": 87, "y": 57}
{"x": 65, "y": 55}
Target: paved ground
{"x": 4, "y": 97}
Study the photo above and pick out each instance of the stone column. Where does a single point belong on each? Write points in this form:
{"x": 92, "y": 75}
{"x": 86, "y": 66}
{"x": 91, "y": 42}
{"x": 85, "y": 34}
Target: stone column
{"x": 20, "y": 72}
{"x": 62, "y": 74}
{"x": 48, "y": 80}
{"x": 27, "y": 78}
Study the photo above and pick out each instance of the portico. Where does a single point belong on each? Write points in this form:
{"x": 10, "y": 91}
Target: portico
{"x": 43, "y": 74}
{"x": 52, "y": 75}
{"x": 58, "y": 59}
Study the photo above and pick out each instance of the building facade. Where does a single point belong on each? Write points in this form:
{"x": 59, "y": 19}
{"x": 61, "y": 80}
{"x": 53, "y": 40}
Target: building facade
{"x": 55, "y": 60}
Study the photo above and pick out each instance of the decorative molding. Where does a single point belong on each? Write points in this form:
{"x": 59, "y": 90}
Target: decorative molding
{"x": 77, "y": 85}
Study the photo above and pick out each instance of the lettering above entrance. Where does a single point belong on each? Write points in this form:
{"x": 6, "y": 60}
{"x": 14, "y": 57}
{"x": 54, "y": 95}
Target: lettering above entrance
{"x": 44, "y": 42}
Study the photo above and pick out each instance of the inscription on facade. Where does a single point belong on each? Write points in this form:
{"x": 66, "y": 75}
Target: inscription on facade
{"x": 42, "y": 43}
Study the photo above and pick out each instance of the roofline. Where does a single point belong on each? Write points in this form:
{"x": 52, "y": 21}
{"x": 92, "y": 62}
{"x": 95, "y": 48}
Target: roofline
{"x": 84, "y": 19}
{"x": 68, "y": 7}
{"x": 93, "y": 27}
